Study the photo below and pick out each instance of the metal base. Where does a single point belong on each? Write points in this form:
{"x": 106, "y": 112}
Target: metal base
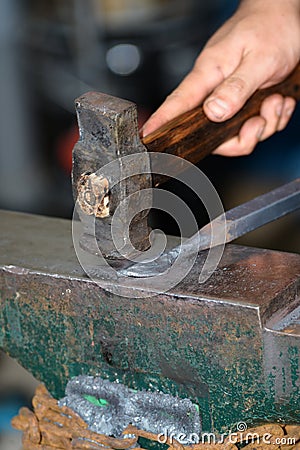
{"x": 230, "y": 345}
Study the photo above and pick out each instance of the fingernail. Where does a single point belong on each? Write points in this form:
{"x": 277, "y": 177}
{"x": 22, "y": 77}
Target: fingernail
{"x": 289, "y": 112}
{"x": 144, "y": 131}
{"x": 260, "y": 133}
{"x": 217, "y": 107}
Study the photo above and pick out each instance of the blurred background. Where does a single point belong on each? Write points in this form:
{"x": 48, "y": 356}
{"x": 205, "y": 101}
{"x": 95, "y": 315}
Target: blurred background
{"x": 51, "y": 52}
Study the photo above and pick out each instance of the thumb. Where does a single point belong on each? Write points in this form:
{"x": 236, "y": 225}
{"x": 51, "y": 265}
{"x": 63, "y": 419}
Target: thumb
{"x": 229, "y": 97}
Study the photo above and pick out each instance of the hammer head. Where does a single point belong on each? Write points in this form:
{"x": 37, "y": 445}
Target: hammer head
{"x": 108, "y": 132}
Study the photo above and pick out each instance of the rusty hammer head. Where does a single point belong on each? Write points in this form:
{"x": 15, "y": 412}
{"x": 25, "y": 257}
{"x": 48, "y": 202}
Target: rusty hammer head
{"x": 108, "y": 132}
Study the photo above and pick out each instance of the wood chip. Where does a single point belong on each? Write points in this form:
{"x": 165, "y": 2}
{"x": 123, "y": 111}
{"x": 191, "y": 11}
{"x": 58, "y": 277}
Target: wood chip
{"x": 293, "y": 431}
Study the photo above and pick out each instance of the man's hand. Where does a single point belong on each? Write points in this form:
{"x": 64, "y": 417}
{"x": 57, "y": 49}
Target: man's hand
{"x": 256, "y": 48}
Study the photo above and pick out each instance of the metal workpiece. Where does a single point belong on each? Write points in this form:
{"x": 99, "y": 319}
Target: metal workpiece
{"x": 231, "y": 345}
{"x": 150, "y": 411}
{"x": 108, "y": 130}
{"x": 227, "y": 227}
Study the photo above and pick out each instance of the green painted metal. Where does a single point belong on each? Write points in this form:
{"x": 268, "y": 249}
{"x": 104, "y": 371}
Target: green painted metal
{"x": 224, "y": 344}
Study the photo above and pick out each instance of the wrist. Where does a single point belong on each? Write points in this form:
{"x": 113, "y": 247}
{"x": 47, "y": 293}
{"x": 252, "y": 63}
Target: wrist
{"x": 269, "y": 5}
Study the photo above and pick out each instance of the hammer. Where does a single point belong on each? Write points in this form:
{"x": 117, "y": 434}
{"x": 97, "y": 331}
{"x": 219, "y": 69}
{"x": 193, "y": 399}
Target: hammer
{"x": 108, "y": 131}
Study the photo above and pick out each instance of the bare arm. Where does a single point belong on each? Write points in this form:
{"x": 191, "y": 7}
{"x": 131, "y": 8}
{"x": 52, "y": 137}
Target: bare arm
{"x": 256, "y": 48}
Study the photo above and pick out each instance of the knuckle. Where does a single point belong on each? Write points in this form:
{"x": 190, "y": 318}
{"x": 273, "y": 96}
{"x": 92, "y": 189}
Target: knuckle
{"x": 278, "y": 65}
{"x": 206, "y": 54}
{"x": 179, "y": 97}
{"x": 176, "y": 94}
{"x": 274, "y": 100}
{"x": 236, "y": 84}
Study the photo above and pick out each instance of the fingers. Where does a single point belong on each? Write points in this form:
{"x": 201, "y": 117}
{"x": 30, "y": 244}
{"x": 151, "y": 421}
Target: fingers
{"x": 229, "y": 97}
{"x": 271, "y": 110}
{"x": 204, "y": 77}
{"x": 244, "y": 143}
{"x": 274, "y": 116}
{"x": 287, "y": 111}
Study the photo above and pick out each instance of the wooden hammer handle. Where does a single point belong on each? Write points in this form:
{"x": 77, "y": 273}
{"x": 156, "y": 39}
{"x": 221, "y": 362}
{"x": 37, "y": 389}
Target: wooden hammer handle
{"x": 193, "y": 136}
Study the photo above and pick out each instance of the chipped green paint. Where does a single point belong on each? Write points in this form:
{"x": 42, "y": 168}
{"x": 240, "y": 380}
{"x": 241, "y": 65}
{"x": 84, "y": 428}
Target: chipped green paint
{"x": 13, "y": 317}
{"x": 96, "y": 401}
{"x": 293, "y": 353}
{"x": 283, "y": 377}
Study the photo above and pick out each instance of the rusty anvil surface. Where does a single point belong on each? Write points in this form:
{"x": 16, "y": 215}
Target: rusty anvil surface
{"x": 231, "y": 345}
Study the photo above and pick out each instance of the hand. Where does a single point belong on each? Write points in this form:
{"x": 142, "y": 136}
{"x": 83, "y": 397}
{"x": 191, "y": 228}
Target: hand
{"x": 256, "y": 48}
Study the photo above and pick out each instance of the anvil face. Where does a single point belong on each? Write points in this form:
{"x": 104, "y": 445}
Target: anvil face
{"x": 230, "y": 345}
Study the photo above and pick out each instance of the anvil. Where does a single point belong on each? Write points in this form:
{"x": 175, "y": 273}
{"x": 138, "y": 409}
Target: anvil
{"x": 231, "y": 344}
